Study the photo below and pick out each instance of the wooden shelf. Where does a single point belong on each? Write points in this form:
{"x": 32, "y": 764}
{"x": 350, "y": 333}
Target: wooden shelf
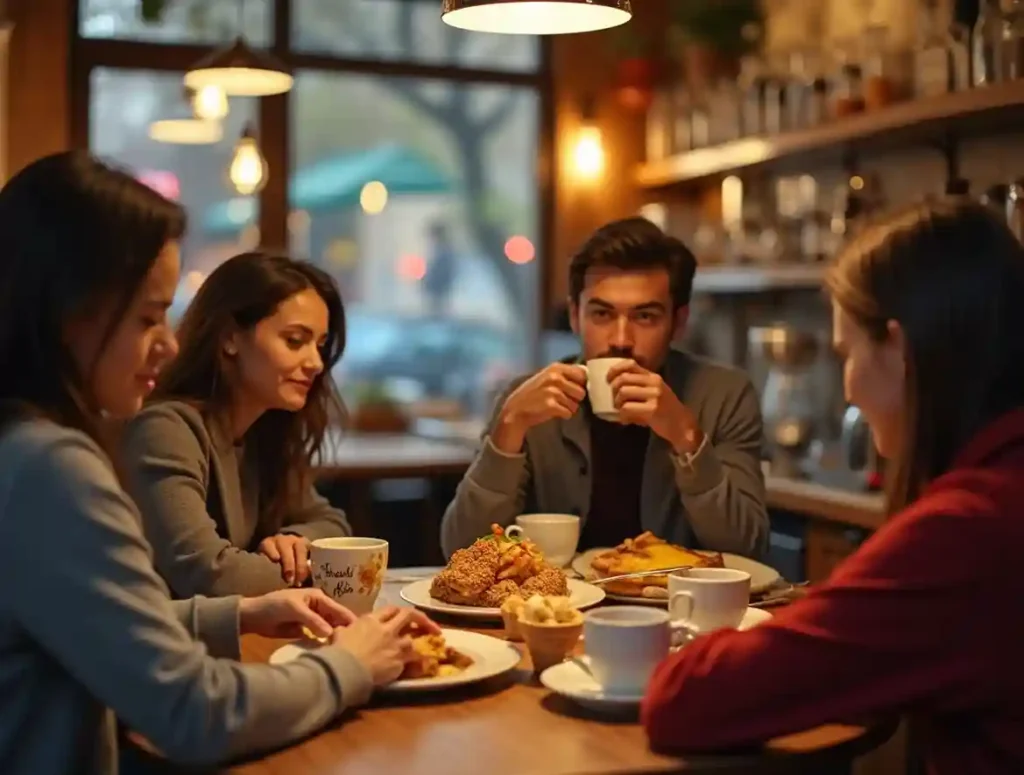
{"x": 977, "y": 111}
{"x": 753, "y": 278}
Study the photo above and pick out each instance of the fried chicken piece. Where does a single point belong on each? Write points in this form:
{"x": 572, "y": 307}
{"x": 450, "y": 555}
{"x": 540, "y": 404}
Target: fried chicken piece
{"x": 499, "y": 593}
{"x": 549, "y": 582}
{"x": 469, "y": 574}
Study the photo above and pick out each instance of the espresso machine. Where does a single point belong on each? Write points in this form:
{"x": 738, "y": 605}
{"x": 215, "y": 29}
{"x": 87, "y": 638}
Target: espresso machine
{"x": 789, "y": 399}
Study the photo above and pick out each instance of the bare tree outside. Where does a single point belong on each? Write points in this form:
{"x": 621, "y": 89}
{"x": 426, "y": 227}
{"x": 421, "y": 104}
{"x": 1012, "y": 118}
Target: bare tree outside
{"x": 383, "y": 30}
{"x": 479, "y": 135}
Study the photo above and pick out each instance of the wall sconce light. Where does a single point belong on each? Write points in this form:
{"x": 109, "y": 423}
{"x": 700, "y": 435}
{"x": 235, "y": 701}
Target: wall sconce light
{"x": 588, "y": 152}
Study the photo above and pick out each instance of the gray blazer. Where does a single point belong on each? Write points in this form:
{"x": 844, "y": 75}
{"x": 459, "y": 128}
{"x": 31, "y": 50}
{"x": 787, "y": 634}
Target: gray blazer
{"x": 715, "y": 500}
{"x": 88, "y": 630}
{"x": 200, "y": 509}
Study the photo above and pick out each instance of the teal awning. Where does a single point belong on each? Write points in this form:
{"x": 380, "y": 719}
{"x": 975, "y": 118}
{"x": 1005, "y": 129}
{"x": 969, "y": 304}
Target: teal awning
{"x": 335, "y": 182}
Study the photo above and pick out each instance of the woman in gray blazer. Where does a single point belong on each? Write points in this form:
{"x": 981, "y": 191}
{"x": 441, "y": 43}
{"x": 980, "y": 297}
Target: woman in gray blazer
{"x": 221, "y": 460}
{"x": 88, "y": 629}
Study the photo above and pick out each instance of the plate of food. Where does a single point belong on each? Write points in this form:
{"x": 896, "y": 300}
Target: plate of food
{"x": 647, "y": 552}
{"x": 453, "y": 658}
{"x": 478, "y": 579}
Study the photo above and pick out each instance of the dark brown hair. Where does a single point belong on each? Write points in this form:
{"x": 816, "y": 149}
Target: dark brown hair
{"x": 952, "y": 275}
{"x": 75, "y": 235}
{"x": 633, "y": 244}
{"x": 237, "y": 295}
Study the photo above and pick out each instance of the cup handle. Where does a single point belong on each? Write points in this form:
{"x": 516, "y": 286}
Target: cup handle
{"x": 683, "y": 621}
{"x": 514, "y": 531}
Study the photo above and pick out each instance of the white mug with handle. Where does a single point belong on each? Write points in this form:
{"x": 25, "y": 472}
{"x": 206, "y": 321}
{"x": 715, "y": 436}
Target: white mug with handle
{"x": 556, "y": 535}
{"x": 711, "y": 598}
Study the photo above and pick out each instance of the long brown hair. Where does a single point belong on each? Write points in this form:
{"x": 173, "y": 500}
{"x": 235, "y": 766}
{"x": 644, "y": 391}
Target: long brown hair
{"x": 952, "y": 275}
{"x": 76, "y": 234}
{"x": 236, "y": 296}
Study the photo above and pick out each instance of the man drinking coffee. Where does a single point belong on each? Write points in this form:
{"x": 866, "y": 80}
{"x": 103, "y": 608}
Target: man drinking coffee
{"x": 676, "y": 450}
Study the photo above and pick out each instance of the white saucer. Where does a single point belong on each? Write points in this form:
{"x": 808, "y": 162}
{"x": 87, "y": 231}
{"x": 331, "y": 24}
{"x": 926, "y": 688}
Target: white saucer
{"x": 569, "y": 679}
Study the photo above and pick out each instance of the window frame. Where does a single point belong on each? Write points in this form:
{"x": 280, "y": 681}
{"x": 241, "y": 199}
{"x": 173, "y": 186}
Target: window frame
{"x": 273, "y": 115}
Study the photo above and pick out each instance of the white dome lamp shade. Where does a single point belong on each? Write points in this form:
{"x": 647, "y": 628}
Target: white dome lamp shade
{"x": 536, "y": 17}
{"x": 240, "y": 71}
{"x": 187, "y": 128}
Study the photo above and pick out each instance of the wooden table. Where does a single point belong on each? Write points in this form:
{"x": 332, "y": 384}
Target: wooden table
{"x": 511, "y": 725}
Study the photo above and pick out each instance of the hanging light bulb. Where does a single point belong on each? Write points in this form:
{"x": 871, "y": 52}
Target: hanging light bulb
{"x": 248, "y": 170}
{"x": 535, "y": 17}
{"x": 210, "y": 103}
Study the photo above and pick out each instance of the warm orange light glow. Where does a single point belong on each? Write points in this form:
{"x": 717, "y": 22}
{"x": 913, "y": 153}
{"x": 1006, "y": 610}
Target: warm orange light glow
{"x": 411, "y": 267}
{"x": 588, "y": 155}
{"x": 519, "y": 250}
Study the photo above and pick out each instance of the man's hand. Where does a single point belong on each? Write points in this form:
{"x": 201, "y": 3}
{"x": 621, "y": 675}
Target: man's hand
{"x": 554, "y": 392}
{"x": 291, "y": 553}
{"x": 643, "y": 398}
{"x": 284, "y": 613}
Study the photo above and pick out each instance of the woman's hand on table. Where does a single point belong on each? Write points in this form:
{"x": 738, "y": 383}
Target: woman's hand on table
{"x": 284, "y": 614}
{"x": 382, "y": 640}
{"x": 291, "y": 553}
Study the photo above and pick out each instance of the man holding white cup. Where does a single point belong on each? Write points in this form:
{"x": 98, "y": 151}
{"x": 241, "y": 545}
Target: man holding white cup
{"x": 667, "y": 442}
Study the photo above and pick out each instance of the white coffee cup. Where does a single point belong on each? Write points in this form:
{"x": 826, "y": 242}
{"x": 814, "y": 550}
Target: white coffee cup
{"x": 599, "y": 390}
{"x": 556, "y": 535}
{"x": 350, "y": 570}
{"x": 708, "y": 599}
{"x": 624, "y": 644}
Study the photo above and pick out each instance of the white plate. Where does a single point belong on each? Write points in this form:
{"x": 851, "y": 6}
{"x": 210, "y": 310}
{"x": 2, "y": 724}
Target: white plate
{"x": 581, "y": 595}
{"x": 762, "y": 577}
{"x": 490, "y": 656}
{"x": 569, "y": 679}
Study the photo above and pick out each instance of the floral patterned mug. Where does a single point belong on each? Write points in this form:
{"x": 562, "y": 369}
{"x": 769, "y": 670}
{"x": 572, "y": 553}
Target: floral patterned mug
{"x": 350, "y": 570}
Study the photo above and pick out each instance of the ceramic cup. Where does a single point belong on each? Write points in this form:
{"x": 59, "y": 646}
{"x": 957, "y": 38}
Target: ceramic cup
{"x": 598, "y": 389}
{"x": 623, "y": 644}
{"x": 350, "y": 570}
{"x": 707, "y": 599}
{"x": 556, "y": 535}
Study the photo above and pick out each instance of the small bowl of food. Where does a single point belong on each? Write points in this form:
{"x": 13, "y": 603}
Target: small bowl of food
{"x": 510, "y": 611}
{"x": 551, "y": 627}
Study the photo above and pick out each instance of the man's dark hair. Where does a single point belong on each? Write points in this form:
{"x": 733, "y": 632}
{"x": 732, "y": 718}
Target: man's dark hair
{"x": 633, "y": 244}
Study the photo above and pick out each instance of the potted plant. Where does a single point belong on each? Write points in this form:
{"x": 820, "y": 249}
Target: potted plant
{"x": 376, "y": 411}
{"x": 638, "y": 68}
{"x": 712, "y": 36}
{"x": 152, "y": 11}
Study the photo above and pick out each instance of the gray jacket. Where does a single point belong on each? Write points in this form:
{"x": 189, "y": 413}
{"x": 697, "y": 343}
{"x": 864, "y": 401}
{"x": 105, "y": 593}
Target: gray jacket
{"x": 200, "y": 506}
{"x": 715, "y": 500}
{"x": 88, "y": 630}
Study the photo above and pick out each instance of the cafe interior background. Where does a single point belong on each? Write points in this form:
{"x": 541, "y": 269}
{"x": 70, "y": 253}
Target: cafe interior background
{"x": 757, "y": 132}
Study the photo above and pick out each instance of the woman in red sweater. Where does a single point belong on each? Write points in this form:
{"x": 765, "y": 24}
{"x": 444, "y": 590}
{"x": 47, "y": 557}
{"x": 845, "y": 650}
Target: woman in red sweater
{"x": 925, "y": 618}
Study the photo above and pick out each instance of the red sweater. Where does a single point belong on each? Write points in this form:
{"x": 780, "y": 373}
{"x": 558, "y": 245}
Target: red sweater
{"x": 926, "y": 619}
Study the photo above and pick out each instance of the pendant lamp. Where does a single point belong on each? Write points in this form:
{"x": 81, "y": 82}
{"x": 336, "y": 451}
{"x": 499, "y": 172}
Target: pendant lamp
{"x": 535, "y": 17}
{"x": 240, "y": 71}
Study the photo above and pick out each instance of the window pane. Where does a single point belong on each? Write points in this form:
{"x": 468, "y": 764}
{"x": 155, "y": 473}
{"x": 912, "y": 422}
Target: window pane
{"x": 182, "y": 21}
{"x": 405, "y": 29}
{"x": 122, "y": 104}
{"x": 424, "y": 205}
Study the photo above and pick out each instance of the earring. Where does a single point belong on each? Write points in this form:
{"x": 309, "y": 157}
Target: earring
{"x": 230, "y": 350}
